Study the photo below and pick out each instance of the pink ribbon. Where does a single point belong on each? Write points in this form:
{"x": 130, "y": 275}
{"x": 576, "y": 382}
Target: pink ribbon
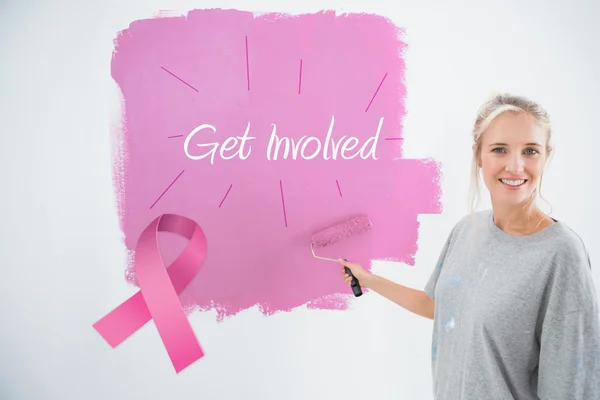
{"x": 158, "y": 297}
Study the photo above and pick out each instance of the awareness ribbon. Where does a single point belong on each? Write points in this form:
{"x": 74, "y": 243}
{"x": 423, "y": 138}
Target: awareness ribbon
{"x": 158, "y": 297}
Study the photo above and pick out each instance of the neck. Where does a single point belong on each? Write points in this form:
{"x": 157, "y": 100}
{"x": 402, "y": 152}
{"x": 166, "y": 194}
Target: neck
{"x": 519, "y": 219}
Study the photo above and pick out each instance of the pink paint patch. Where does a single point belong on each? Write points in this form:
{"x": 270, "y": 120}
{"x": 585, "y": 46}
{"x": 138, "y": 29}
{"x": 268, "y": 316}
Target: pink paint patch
{"x": 235, "y": 72}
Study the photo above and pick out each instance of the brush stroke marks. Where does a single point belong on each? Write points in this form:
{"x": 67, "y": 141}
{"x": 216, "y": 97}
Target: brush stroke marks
{"x": 255, "y": 250}
{"x": 178, "y": 78}
{"x": 377, "y": 91}
{"x": 300, "y": 78}
{"x": 283, "y": 203}
{"x": 247, "y": 65}
{"x": 168, "y": 187}
{"x": 226, "y": 194}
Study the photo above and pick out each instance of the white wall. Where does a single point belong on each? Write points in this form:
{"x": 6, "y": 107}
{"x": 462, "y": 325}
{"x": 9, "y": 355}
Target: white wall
{"x": 62, "y": 256}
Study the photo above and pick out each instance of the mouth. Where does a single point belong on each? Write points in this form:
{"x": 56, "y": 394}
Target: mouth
{"x": 513, "y": 183}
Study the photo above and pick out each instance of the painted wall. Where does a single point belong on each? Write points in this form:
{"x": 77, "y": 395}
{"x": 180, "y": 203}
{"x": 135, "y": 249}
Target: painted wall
{"x": 105, "y": 113}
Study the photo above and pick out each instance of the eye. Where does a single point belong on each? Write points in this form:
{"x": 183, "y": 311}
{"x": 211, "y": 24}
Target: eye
{"x": 531, "y": 152}
{"x": 498, "y": 150}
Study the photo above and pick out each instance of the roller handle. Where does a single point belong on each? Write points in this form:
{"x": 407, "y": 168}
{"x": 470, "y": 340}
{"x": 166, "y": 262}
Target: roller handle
{"x": 356, "y": 289}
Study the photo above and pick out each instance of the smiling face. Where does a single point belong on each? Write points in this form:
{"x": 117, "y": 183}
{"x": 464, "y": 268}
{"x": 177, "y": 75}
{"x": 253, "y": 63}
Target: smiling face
{"x": 512, "y": 158}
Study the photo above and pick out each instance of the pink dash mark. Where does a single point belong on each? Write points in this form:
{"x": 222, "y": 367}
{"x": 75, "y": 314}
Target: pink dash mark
{"x": 225, "y": 195}
{"x": 283, "y": 202}
{"x": 375, "y": 94}
{"x": 300, "y": 79}
{"x": 179, "y": 78}
{"x": 168, "y": 187}
{"x": 171, "y": 137}
{"x": 247, "y": 65}
{"x": 338, "y": 186}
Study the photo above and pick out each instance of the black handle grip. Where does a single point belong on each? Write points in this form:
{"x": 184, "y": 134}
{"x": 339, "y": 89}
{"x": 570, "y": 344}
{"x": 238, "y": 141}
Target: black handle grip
{"x": 356, "y": 289}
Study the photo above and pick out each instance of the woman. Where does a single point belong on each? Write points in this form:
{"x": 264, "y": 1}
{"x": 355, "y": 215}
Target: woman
{"x": 512, "y": 298}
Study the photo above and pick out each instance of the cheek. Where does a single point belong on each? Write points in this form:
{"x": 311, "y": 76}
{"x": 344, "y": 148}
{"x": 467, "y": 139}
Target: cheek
{"x": 490, "y": 167}
{"x": 535, "y": 168}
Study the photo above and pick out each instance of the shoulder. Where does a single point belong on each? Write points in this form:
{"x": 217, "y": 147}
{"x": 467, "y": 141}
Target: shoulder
{"x": 570, "y": 282}
{"x": 471, "y": 222}
{"x": 567, "y": 247}
{"x": 464, "y": 231}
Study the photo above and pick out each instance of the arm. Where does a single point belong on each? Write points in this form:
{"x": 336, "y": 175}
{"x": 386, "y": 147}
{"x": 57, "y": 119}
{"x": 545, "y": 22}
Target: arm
{"x": 415, "y": 301}
{"x": 420, "y": 302}
{"x": 569, "y": 358}
{"x": 569, "y": 365}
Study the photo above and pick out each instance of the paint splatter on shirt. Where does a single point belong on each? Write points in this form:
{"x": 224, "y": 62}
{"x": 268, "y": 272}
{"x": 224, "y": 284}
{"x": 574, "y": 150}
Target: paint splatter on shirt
{"x": 516, "y": 317}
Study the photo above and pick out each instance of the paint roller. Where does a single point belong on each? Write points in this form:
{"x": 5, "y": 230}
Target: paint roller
{"x": 350, "y": 227}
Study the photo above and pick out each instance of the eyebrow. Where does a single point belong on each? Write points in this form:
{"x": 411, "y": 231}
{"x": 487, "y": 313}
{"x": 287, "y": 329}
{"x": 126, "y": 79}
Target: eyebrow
{"x": 527, "y": 144}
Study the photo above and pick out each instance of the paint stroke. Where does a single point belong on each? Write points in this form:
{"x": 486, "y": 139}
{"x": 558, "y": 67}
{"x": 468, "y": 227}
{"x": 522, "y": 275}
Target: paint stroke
{"x": 226, "y": 194}
{"x": 174, "y": 136}
{"x": 283, "y": 203}
{"x": 181, "y": 80}
{"x": 247, "y": 65}
{"x": 300, "y": 78}
{"x": 258, "y": 232}
{"x": 377, "y": 91}
{"x": 168, "y": 187}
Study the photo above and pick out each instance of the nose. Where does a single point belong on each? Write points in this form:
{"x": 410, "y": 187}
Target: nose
{"x": 514, "y": 164}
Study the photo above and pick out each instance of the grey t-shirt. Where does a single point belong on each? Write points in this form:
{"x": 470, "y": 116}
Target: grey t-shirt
{"x": 516, "y": 317}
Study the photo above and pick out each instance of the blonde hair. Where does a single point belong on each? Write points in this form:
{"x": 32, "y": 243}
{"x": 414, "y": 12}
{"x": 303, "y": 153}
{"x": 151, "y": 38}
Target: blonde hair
{"x": 497, "y": 105}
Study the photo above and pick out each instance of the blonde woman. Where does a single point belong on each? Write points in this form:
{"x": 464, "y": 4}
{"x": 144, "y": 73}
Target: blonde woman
{"x": 514, "y": 307}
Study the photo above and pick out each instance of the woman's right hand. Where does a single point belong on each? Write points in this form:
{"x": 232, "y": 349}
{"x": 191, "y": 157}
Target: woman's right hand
{"x": 357, "y": 270}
